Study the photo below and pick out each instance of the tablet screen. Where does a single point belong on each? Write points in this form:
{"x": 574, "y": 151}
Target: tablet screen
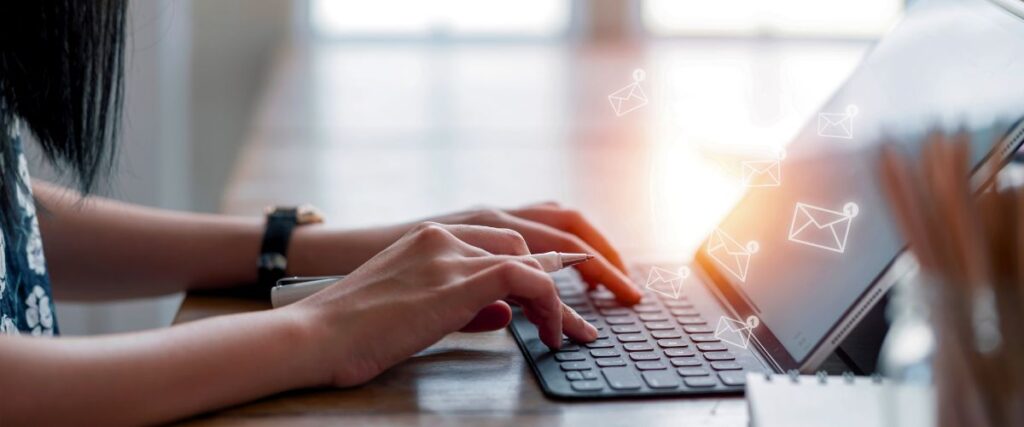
{"x": 802, "y": 251}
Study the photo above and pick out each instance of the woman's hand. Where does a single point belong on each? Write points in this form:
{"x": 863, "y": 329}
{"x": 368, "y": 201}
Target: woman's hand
{"x": 317, "y": 251}
{"x": 434, "y": 280}
{"x": 550, "y": 227}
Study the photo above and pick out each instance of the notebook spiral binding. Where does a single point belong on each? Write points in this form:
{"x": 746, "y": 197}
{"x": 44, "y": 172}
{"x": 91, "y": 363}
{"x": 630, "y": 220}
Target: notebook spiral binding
{"x": 848, "y": 377}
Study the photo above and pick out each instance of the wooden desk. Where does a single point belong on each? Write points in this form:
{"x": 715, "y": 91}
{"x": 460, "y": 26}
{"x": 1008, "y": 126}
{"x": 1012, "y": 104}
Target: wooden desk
{"x": 466, "y": 379}
{"x": 437, "y": 129}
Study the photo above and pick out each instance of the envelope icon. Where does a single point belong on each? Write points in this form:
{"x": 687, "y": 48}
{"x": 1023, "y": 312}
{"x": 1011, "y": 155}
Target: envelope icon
{"x": 630, "y": 97}
{"x": 763, "y": 173}
{"x": 736, "y": 332}
{"x": 730, "y": 254}
{"x": 837, "y": 125}
{"x": 666, "y": 282}
{"x": 822, "y": 228}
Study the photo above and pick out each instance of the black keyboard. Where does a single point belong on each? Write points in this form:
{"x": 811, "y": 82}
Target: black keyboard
{"x": 660, "y": 347}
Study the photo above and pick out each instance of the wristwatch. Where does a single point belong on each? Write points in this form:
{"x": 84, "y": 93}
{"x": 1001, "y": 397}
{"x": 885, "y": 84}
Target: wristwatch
{"x": 281, "y": 221}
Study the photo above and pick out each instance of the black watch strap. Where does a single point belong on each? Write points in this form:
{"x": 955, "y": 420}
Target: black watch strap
{"x": 281, "y": 222}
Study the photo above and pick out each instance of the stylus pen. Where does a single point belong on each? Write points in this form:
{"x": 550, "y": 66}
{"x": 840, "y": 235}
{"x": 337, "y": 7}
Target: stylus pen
{"x": 284, "y": 294}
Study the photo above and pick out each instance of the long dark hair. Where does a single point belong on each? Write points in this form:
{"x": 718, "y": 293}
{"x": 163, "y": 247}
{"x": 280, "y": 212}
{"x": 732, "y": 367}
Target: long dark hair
{"x": 61, "y": 73}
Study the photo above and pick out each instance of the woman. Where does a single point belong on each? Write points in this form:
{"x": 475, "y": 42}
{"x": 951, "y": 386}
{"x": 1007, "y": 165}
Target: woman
{"x": 60, "y": 80}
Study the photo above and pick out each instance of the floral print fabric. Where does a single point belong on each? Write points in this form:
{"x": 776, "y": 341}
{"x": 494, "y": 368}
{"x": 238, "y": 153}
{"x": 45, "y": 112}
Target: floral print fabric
{"x": 25, "y": 303}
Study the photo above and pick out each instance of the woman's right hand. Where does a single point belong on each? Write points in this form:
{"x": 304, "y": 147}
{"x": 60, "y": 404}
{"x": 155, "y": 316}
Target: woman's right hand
{"x": 435, "y": 280}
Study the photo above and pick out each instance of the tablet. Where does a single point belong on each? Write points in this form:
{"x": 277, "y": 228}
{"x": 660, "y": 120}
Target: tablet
{"x": 822, "y": 246}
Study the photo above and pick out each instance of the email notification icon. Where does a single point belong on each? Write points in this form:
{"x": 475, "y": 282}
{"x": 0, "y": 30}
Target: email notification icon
{"x": 730, "y": 254}
{"x": 736, "y": 332}
{"x": 630, "y": 97}
{"x": 666, "y": 282}
{"x": 822, "y": 228}
{"x": 837, "y": 125}
{"x": 763, "y": 173}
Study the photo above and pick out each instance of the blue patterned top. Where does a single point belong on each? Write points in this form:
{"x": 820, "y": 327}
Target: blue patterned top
{"x": 25, "y": 303}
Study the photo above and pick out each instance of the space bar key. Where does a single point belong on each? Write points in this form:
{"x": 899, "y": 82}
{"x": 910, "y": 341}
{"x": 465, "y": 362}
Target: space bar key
{"x": 622, "y": 378}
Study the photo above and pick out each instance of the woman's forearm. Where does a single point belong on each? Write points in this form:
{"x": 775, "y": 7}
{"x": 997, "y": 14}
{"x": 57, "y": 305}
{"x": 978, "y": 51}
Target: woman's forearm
{"x": 102, "y": 249}
{"x": 155, "y": 376}
{"x": 97, "y": 248}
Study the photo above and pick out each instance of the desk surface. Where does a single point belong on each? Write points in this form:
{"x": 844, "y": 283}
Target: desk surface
{"x": 442, "y": 128}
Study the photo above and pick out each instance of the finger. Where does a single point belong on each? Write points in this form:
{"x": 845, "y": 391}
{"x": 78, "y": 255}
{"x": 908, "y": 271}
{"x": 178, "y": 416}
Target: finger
{"x": 543, "y": 238}
{"x": 473, "y": 265}
{"x": 494, "y": 316}
{"x": 573, "y": 222}
{"x": 494, "y": 240}
{"x": 573, "y": 325}
{"x": 547, "y": 204}
{"x": 531, "y": 288}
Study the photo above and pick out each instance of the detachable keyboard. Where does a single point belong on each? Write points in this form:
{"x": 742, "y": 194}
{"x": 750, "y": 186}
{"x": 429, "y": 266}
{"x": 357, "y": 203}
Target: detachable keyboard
{"x": 660, "y": 347}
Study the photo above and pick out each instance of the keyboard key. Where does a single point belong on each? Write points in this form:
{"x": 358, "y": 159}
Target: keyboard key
{"x": 655, "y": 326}
{"x": 621, "y": 378}
{"x": 689, "y": 311}
{"x": 647, "y": 355}
{"x": 574, "y": 356}
{"x": 569, "y": 347}
{"x": 602, "y": 333}
{"x": 587, "y": 385}
{"x": 666, "y": 334}
{"x": 588, "y": 375}
{"x": 691, "y": 320}
{"x": 605, "y": 343}
{"x": 574, "y": 376}
{"x": 626, "y": 329}
{"x": 575, "y": 366}
{"x": 733, "y": 377}
{"x": 698, "y": 382}
{"x": 606, "y": 303}
{"x": 680, "y": 352}
{"x": 681, "y": 302}
{"x": 698, "y": 329}
{"x": 638, "y": 346}
{"x": 591, "y": 317}
{"x": 632, "y": 338}
{"x": 646, "y": 308}
{"x": 653, "y": 317}
{"x": 619, "y": 320}
{"x": 615, "y": 311}
{"x": 602, "y": 294}
{"x": 693, "y": 372}
{"x": 649, "y": 365}
{"x": 605, "y": 352}
{"x": 703, "y": 338}
{"x": 604, "y": 363}
{"x": 661, "y": 379}
{"x": 726, "y": 366}
{"x": 671, "y": 343}
{"x": 684, "y": 362}
{"x": 724, "y": 355}
{"x": 711, "y": 346}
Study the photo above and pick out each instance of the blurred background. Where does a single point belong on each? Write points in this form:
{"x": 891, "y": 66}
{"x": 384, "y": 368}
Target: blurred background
{"x": 393, "y": 110}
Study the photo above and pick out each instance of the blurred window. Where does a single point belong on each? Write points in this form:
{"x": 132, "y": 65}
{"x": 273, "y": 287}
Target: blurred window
{"x": 811, "y": 18}
{"x": 440, "y": 18}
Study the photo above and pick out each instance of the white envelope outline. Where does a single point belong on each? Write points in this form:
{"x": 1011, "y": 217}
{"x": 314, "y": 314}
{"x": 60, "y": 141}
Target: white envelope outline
{"x": 763, "y": 173}
{"x": 666, "y": 282}
{"x": 837, "y": 125}
{"x": 630, "y": 97}
{"x": 822, "y": 228}
{"x": 736, "y": 332}
{"x": 730, "y": 254}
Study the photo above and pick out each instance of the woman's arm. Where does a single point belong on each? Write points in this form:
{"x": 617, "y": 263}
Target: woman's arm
{"x": 102, "y": 249}
{"x": 435, "y": 280}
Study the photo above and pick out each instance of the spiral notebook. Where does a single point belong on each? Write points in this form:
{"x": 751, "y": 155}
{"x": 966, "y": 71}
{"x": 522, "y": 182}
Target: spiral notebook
{"x": 837, "y": 401}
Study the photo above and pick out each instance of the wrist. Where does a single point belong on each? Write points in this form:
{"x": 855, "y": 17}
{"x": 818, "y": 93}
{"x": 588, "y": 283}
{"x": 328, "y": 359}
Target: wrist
{"x": 301, "y": 339}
